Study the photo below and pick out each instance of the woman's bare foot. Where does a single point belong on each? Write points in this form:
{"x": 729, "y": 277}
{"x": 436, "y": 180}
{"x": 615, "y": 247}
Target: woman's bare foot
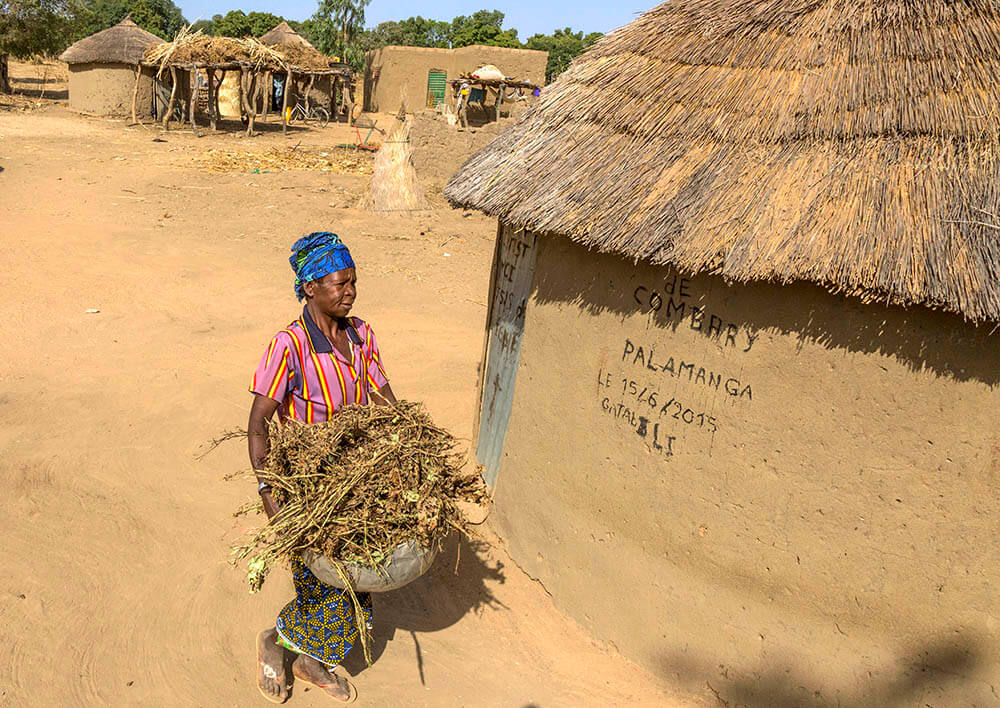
{"x": 312, "y": 671}
{"x": 271, "y": 667}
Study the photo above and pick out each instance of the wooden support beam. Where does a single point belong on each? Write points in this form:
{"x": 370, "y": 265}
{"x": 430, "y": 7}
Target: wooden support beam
{"x": 268, "y": 93}
{"x": 210, "y": 73}
{"x": 242, "y": 97}
{"x": 215, "y": 93}
{"x": 135, "y": 92}
{"x": 251, "y": 101}
{"x": 349, "y": 101}
{"x": 193, "y": 99}
{"x": 284, "y": 102}
{"x": 173, "y": 99}
{"x": 312, "y": 79}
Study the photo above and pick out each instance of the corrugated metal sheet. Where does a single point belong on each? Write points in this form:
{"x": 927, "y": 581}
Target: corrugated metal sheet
{"x": 514, "y": 270}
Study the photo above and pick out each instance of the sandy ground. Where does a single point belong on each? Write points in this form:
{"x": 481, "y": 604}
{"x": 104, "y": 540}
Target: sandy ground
{"x": 116, "y": 588}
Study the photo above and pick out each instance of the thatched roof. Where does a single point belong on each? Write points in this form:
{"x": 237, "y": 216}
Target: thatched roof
{"x": 303, "y": 56}
{"x": 853, "y": 144}
{"x": 122, "y": 44}
{"x": 196, "y": 48}
{"x": 284, "y": 34}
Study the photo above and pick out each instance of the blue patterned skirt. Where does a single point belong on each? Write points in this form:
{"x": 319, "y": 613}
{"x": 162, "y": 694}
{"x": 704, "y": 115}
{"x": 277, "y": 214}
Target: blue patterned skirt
{"x": 320, "y": 620}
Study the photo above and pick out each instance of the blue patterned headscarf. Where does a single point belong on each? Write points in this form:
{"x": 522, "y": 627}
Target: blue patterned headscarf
{"x": 318, "y": 254}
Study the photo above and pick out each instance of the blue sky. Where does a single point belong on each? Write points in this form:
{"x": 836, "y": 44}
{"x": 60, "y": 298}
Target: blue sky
{"x": 528, "y": 18}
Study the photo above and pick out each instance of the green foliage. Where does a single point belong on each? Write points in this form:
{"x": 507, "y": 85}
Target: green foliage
{"x": 160, "y": 17}
{"x": 563, "y": 47}
{"x": 482, "y": 27}
{"x": 412, "y": 32}
{"x": 36, "y": 26}
{"x": 234, "y": 23}
{"x": 336, "y": 27}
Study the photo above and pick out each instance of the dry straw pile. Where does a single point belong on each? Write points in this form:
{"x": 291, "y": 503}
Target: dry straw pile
{"x": 354, "y": 488}
{"x": 339, "y": 160}
{"x": 394, "y": 185}
{"x": 190, "y": 48}
{"x": 850, "y": 143}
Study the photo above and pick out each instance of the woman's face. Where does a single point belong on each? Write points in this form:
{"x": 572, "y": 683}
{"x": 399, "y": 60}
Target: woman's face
{"x": 334, "y": 294}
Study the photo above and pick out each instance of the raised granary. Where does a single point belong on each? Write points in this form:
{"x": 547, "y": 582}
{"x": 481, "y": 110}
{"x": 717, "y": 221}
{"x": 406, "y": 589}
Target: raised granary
{"x": 102, "y": 71}
{"x": 740, "y": 364}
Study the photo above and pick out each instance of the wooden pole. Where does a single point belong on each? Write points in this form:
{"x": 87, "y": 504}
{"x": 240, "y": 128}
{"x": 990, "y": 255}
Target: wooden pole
{"x": 242, "y": 98}
{"x": 349, "y": 101}
{"x": 334, "y": 108}
{"x": 268, "y": 92}
{"x": 251, "y": 101}
{"x": 135, "y": 91}
{"x": 312, "y": 80}
{"x": 284, "y": 102}
{"x": 210, "y": 73}
{"x": 173, "y": 98}
{"x": 193, "y": 99}
{"x": 215, "y": 93}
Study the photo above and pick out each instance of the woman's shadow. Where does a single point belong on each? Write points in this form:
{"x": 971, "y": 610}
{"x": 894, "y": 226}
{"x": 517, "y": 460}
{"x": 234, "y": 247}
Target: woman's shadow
{"x": 453, "y": 587}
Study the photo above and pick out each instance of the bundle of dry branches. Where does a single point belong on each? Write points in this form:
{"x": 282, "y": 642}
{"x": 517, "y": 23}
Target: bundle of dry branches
{"x": 356, "y": 487}
{"x": 197, "y": 48}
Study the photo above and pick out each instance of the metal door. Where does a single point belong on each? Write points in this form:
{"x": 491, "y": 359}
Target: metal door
{"x": 436, "y": 82}
{"x": 514, "y": 266}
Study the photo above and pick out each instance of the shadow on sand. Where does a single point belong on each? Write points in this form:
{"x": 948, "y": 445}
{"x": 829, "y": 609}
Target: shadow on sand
{"x": 932, "y": 669}
{"x": 435, "y": 601}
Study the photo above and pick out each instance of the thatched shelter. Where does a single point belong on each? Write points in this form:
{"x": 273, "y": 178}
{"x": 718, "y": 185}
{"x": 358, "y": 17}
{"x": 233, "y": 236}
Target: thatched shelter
{"x": 284, "y": 34}
{"x": 193, "y": 60}
{"x": 102, "y": 70}
{"x": 741, "y": 360}
{"x": 316, "y": 78}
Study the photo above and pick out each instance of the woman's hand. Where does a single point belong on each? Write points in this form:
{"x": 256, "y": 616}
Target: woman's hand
{"x": 270, "y": 506}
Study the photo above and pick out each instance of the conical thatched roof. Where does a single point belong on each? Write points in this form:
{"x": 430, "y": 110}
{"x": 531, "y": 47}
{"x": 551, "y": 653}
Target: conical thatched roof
{"x": 284, "y": 34}
{"x": 853, "y": 143}
{"x": 122, "y": 44}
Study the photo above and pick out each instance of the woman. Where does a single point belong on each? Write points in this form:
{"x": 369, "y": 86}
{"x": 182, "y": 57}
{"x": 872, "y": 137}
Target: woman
{"x": 321, "y": 362}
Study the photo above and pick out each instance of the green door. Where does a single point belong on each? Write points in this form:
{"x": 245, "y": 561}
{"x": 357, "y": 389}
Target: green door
{"x": 436, "y": 82}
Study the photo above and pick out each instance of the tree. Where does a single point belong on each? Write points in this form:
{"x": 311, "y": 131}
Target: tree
{"x": 33, "y": 27}
{"x": 563, "y": 47}
{"x": 262, "y": 22}
{"x": 412, "y": 32}
{"x": 482, "y": 27}
{"x": 234, "y": 23}
{"x": 160, "y": 17}
{"x": 336, "y": 27}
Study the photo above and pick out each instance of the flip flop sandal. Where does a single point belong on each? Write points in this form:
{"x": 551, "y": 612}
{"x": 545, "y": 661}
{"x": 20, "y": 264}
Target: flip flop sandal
{"x": 350, "y": 688}
{"x": 268, "y": 671}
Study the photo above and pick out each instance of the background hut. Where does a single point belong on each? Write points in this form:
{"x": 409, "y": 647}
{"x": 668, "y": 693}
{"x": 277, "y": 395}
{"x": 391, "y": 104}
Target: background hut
{"x": 284, "y": 34}
{"x": 102, "y": 70}
{"x": 740, "y": 385}
{"x": 319, "y": 86}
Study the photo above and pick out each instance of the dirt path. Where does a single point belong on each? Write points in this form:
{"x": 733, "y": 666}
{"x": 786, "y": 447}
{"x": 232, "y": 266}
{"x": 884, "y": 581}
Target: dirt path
{"x": 116, "y": 588}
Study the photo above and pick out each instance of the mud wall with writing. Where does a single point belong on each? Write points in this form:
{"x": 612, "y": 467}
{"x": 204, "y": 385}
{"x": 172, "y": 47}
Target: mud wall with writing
{"x": 772, "y": 494}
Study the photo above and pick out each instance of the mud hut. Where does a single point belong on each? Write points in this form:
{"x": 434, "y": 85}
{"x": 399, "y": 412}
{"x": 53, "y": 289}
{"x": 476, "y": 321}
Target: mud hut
{"x": 421, "y": 74}
{"x": 740, "y": 371}
{"x": 102, "y": 71}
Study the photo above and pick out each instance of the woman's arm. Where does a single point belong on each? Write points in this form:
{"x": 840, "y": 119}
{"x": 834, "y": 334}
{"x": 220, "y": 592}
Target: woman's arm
{"x": 260, "y": 413}
{"x": 383, "y": 396}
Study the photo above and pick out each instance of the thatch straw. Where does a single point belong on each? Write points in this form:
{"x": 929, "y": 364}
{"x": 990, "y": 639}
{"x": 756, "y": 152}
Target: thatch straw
{"x": 283, "y": 33}
{"x": 853, "y": 144}
{"x": 197, "y": 48}
{"x": 302, "y": 56}
{"x": 123, "y": 43}
{"x": 394, "y": 185}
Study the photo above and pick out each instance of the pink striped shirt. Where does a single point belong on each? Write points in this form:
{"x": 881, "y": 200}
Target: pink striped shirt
{"x": 310, "y": 379}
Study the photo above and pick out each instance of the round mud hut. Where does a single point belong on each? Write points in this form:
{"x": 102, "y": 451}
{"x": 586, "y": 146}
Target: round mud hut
{"x": 102, "y": 71}
{"x": 741, "y": 367}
